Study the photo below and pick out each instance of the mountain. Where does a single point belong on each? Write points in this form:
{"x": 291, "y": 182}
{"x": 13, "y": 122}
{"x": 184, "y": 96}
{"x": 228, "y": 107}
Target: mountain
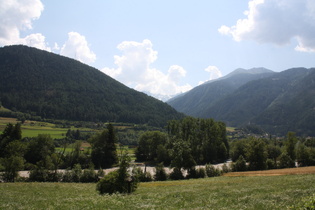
{"x": 197, "y": 100}
{"x": 276, "y": 102}
{"x": 52, "y": 86}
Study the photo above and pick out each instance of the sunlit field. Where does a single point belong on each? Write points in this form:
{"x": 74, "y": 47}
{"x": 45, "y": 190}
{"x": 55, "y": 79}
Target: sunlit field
{"x": 236, "y": 192}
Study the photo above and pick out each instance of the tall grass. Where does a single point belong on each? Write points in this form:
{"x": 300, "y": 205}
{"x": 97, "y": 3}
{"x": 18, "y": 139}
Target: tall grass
{"x": 267, "y": 192}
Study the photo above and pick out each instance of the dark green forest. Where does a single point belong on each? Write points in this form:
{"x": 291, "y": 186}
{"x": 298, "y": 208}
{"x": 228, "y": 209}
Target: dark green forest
{"x": 39, "y": 83}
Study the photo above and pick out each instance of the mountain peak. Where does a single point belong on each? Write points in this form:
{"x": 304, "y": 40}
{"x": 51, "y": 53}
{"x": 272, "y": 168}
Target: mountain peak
{"x": 259, "y": 70}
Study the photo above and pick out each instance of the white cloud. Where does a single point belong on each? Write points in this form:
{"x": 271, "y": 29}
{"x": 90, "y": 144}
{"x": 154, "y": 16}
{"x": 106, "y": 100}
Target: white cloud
{"x": 215, "y": 73}
{"x": 134, "y": 69}
{"x": 17, "y": 15}
{"x": 77, "y": 47}
{"x": 278, "y": 22}
{"x": 36, "y": 40}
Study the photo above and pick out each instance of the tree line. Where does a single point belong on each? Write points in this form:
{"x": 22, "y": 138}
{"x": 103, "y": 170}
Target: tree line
{"x": 40, "y": 156}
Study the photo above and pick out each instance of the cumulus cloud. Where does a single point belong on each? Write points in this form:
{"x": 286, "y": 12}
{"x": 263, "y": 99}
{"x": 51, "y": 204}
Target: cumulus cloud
{"x": 278, "y": 22}
{"x": 215, "y": 73}
{"x": 77, "y": 47}
{"x": 134, "y": 69}
{"x": 17, "y": 15}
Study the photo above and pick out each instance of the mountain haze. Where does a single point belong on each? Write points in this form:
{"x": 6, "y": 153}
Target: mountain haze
{"x": 197, "y": 100}
{"x": 52, "y": 86}
{"x": 277, "y": 102}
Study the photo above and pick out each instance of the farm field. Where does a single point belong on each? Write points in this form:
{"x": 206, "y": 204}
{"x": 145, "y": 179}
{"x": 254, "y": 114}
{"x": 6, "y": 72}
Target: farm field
{"x": 236, "y": 192}
{"x": 33, "y": 128}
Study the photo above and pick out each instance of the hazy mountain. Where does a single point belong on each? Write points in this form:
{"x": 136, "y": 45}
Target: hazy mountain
{"x": 52, "y": 86}
{"x": 197, "y": 100}
{"x": 277, "y": 102}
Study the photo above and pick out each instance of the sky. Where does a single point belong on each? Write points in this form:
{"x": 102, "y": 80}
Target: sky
{"x": 161, "y": 47}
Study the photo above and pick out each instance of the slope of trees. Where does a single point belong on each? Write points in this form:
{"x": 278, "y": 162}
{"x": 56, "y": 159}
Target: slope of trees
{"x": 278, "y": 103}
{"x": 44, "y": 84}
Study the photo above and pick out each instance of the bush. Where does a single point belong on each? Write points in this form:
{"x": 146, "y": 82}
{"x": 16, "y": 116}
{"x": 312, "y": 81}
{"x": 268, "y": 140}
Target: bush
{"x": 285, "y": 161}
{"x": 176, "y": 174}
{"x": 270, "y": 164}
{"x": 109, "y": 184}
{"x": 201, "y": 173}
{"x": 89, "y": 175}
{"x": 240, "y": 164}
{"x": 192, "y": 173}
{"x": 76, "y": 173}
{"x": 118, "y": 181}
{"x": 67, "y": 176}
{"x": 141, "y": 176}
{"x": 225, "y": 168}
{"x": 211, "y": 171}
{"x": 160, "y": 174}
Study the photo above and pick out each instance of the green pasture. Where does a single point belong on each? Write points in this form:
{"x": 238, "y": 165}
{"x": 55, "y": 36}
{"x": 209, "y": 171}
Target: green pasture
{"x": 33, "y": 128}
{"x": 265, "y": 192}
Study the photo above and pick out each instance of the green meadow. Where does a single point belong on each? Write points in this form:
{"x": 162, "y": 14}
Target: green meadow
{"x": 256, "y": 192}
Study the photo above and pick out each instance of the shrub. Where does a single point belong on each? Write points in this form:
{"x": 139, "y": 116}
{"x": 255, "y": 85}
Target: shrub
{"x": 226, "y": 168}
{"x": 89, "y": 175}
{"x": 176, "y": 174}
{"x": 211, "y": 171}
{"x": 76, "y": 173}
{"x": 240, "y": 164}
{"x": 109, "y": 184}
{"x": 141, "y": 176}
{"x": 67, "y": 176}
{"x": 192, "y": 173}
{"x": 285, "y": 161}
{"x": 201, "y": 173}
{"x": 270, "y": 164}
{"x": 160, "y": 174}
{"x": 118, "y": 181}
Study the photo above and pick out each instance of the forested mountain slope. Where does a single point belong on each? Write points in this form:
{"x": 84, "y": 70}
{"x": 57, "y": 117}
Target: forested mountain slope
{"x": 52, "y": 86}
{"x": 196, "y": 101}
{"x": 278, "y": 103}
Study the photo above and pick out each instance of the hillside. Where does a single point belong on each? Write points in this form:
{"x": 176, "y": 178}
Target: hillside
{"x": 52, "y": 86}
{"x": 278, "y": 103}
{"x": 199, "y": 99}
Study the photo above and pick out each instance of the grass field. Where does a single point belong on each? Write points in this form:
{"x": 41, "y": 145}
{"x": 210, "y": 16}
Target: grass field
{"x": 33, "y": 128}
{"x": 236, "y": 192}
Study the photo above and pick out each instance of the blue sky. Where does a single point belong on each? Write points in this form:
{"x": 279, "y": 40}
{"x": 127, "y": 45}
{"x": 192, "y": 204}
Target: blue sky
{"x": 166, "y": 47}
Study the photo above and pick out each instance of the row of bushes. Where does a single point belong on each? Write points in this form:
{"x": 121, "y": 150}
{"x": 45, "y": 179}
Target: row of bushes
{"x": 76, "y": 174}
{"x": 177, "y": 174}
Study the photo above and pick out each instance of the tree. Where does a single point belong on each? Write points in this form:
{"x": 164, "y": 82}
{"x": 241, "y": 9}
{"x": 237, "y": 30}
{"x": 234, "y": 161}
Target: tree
{"x": 151, "y": 143}
{"x": 285, "y": 161}
{"x": 273, "y": 153}
{"x": 39, "y": 149}
{"x": 12, "y": 165}
{"x": 104, "y": 152}
{"x": 257, "y": 154}
{"x": 302, "y": 154}
{"x": 181, "y": 156}
{"x": 9, "y": 134}
{"x": 290, "y": 145}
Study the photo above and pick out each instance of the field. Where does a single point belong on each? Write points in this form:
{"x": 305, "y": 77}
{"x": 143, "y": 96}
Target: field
{"x": 33, "y": 128}
{"x": 227, "y": 192}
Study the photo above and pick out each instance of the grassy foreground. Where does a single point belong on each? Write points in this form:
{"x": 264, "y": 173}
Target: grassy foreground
{"x": 252, "y": 192}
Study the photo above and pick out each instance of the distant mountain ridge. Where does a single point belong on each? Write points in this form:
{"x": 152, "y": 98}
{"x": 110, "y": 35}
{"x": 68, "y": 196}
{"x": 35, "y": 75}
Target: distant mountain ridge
{"x": 195, "y": 101}
{"x": 277, "y": 102}
{"x": 52, "y": 86}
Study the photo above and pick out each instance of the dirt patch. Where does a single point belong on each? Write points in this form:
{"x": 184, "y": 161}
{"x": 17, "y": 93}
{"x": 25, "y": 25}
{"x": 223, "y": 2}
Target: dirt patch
{"x": 275, "y": 172}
